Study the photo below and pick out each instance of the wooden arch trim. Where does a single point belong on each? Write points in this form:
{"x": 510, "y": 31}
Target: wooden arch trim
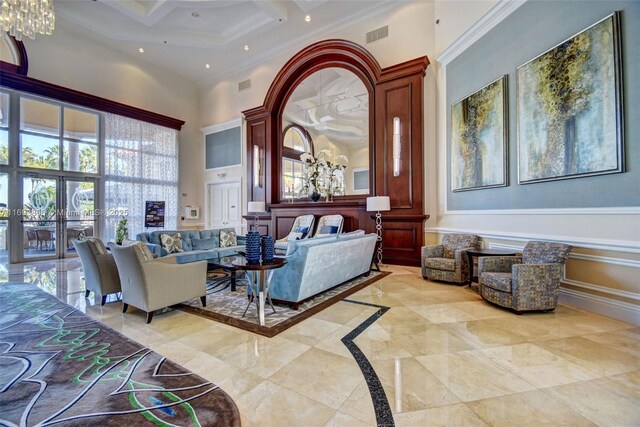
{"x": 20, "y": 51}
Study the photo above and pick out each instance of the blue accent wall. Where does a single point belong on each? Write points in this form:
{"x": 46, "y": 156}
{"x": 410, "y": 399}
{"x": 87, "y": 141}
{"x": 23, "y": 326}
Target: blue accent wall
{"x": 223, "y": 148}
{"x": 531, "y": 30}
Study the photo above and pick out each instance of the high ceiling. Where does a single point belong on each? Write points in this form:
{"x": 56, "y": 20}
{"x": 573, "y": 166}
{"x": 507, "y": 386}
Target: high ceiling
{"x": 184, "y": 36}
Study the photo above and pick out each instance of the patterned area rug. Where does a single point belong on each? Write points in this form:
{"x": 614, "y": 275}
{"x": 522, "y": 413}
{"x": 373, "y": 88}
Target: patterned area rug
{"x": 228, "y": 307}
{"x": 59, "y": 366}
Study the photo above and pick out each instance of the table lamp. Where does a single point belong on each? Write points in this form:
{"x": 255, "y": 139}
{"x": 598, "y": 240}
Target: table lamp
{"x": 256, "y": 207}
{"x": 379, "y": 204}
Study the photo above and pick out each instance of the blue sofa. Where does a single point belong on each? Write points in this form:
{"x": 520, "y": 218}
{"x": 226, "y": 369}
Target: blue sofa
{"x": 212, "y": 250}
{"x": 318, "y": 264}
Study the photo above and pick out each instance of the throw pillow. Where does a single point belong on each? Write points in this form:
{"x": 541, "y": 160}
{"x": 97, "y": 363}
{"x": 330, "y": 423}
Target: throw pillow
{"x": 203, "y": 244}
{"x": 303, "y": 230}
{"x": 172, "y": 242}
{"x": 294, "y": 236}
{"x": 228, "y": 238}
{"x": 329, "y": 229}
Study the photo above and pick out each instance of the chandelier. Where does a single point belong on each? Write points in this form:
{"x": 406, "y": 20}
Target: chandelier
{"x": 27, "y": 17}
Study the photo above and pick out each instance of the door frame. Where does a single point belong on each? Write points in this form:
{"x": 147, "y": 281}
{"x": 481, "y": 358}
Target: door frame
{"x": 234, "y": 180}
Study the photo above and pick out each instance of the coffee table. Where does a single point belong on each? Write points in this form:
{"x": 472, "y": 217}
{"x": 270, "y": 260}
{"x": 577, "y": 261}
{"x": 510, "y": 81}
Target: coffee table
{"x": 482, "y": 253}
{"x": 226, "y": 263}
{"x": 259, "y": 275}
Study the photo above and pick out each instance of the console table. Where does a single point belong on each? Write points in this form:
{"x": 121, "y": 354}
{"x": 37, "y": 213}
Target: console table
{"x": 259, "y": 275}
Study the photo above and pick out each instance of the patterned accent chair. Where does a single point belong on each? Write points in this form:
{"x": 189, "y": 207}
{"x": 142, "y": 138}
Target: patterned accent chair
{"x": 527, "y": 283}
{"x": 307, "y": 221}
{"x": 99, "y": 267}
{"x": 331, "y": 221}
{"x": 448, "y": 262}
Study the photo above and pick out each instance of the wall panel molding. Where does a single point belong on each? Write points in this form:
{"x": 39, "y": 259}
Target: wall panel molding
{"x": 597, "y": 288}
{"x": 599, "y": 244}
{"x": 605, "y": 306}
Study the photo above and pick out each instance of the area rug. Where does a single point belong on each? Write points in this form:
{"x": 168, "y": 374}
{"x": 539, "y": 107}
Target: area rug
{"x": 227, "y": 307}
{"x": 60, "y": 366}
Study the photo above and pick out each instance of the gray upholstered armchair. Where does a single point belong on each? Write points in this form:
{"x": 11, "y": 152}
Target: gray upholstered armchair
{"x": 151, "y": 284}
{"x": 448, "y": 262}
{"x": 527, "y": 283}
{"x": 99, "y": 267}
{"x": 336, "y": 222}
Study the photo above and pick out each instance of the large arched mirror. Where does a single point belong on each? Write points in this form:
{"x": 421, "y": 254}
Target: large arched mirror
{"x": 326, "y": 116}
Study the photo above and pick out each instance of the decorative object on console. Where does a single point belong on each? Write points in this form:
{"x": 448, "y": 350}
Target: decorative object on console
{"x": 379, "y": 204}
{"x": 449, "y": 262}
{"x": 268, "y": 250}
{"x": 172, "y": 242}
{"x": 479, "y": 139}
{"x": 527, "y": 283}
{"x": 253, "y": 246}
{"x": 191, "y": 212}
{"x": 255, "y": 208}
{"x": 324, "y": 174}
{"x": 122, "y": 232}
{"x": 397, "y": 146}
{"x": 27, "y": 18}
{"x": 569, "y": 107}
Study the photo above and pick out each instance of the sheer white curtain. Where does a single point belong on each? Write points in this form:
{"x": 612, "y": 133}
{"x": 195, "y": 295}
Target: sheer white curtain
{"x": 141, "y": 163}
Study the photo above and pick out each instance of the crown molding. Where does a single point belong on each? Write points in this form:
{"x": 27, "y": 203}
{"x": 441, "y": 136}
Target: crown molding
{"x": 613, "y": 210}
{"x": 486, "y": 23}
{"x": 221, "y": 126}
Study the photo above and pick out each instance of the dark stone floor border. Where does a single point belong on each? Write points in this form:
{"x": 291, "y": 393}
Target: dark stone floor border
{"x": 381, "y": 406}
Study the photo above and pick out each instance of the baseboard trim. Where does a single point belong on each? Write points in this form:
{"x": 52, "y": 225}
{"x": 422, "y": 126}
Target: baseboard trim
{"x": 632, "y": 247}
{"x": 619, "y": 310}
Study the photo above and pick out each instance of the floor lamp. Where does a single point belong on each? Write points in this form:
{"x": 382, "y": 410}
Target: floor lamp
{"x": 256, "y": 207}
{"x": 378, "y": 204}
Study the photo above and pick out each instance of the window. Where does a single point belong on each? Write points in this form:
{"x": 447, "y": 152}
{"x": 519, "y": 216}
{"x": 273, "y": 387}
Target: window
{"x": 141, "y": 163}
{"x": 295, "y": 141}
{"x": 4, "y": 128}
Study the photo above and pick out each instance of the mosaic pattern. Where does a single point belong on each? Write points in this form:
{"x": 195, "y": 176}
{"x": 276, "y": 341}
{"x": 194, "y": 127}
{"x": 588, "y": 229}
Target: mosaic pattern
{"x": 61, "y": 367}
{"x": 452, "y": 248}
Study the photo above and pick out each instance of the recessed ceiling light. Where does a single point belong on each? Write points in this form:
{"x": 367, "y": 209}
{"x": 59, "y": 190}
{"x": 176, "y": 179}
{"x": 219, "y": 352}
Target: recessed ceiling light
{"x": 207, "y": 66}
{"x": 195, "y": 14}
{"x": 307, "y": 18}
{"x": 246, "y": 47}
{"x": 141, "y": 50}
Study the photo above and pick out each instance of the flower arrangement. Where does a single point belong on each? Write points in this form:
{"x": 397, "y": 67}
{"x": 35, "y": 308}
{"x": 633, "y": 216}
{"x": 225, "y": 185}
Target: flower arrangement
{"x": 122, "y": 232}
{"x": 321, "y": 175}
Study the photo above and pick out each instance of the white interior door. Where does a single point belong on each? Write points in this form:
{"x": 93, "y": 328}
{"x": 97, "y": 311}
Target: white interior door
{"x": 225, "y": 205}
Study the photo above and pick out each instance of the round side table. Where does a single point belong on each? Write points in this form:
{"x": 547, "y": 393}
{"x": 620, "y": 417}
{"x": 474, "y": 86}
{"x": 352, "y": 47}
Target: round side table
{"x": 259, "y": 275}
{"x": 481, "y": 253}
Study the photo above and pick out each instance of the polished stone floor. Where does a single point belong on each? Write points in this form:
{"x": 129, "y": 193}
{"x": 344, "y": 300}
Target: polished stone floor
{"x": 442, "y": 355}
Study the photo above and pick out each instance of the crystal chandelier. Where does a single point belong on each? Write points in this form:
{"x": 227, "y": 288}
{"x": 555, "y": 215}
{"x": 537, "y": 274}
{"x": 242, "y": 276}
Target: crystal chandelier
{"x": 27, "y": 17}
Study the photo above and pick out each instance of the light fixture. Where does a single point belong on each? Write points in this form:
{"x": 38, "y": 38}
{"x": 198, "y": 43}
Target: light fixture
{"x": 141, "y": 50}
{"x": 256, "y": 207}
{"x": 256, "y": 166}
{"x": 246, "y": 47}
{"x": 307, "y": 18}
{"x": 207, "y": 66}
{"x": 378, "y": 204}
{"x": 27, "y": 17}
{"x": 397, "y": 146}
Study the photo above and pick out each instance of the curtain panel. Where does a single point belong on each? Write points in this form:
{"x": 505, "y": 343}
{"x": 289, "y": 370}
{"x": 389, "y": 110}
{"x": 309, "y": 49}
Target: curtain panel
{"x": 141, "y": 164}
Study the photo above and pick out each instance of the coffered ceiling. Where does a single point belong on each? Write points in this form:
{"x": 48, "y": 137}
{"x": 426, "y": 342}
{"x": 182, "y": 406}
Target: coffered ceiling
{"x": 184, "y": 36}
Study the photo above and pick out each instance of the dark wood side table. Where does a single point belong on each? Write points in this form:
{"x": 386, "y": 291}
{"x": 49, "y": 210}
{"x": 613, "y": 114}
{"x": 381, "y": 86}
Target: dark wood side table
{"x": 481, "y": 253}
{"x": 259, "y": 275}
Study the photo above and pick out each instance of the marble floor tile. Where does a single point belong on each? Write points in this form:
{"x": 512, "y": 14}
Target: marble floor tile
{"x": 599, "y": 359}
{"x": 333, "y": 342}
{"x": 485, "y": 333}
{"x": 359, "y": 405}
{"x": 482, "y": 310}
{"x": 610, "y": 401}
{"x": 533, "y": 408}
{"x": 458, "y": 415}
{"x": 343, "y": 312}
{"x": 269, "y": 404}
{"x": 430, "y": 339}
{"x": 330, "y": 382}
{"x": 472, "y": 376}
{"x": 340, "y": 419}
{"x": 442, "y": 313}
{"x": 537, "y": 366}
{"x": 409, "y": 386}
{"x": 310, "y": 331}
{"x": 376, "y": 343}
{"x": 627, "y": 340}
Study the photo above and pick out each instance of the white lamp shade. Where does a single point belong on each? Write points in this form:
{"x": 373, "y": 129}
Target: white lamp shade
{"x": 378, "y": 204}
{"x": 257, "y": 207}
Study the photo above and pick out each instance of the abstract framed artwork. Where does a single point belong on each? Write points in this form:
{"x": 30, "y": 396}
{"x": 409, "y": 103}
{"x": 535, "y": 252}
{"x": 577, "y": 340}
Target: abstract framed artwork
{"x": 479, "y": 138}
{"x": 569, "y": 107}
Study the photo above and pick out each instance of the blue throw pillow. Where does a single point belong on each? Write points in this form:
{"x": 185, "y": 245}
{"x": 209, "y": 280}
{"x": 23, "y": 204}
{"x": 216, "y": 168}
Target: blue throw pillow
{"x": 329, "y": 229}
{"x": 203, "y": 244}
{"x": 303, "y": 230}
